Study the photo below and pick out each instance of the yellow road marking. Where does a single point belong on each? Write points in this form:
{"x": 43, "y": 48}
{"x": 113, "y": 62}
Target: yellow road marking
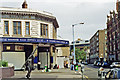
{"x": 86, "y": 77}
{"x": 89, "y": 68}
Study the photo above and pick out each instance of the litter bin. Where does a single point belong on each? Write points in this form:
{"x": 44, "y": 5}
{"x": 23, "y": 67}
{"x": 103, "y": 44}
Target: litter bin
{"x": 45, "y": 68}
{"x": 76, "y": 67}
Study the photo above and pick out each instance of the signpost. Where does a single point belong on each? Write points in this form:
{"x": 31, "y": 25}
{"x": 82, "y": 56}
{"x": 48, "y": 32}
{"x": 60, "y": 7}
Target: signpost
{"x": 82, "y": 70}
{"x": 30, "y": 56}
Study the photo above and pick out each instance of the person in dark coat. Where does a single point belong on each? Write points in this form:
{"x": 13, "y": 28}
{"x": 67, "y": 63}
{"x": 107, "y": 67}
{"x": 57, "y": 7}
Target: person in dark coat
{"x": 39, "y": 63}
{"x": 29, "y": 68}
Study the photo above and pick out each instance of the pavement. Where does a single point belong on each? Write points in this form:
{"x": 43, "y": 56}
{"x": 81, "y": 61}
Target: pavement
{"x": 90, "y": 73}
{"x": 54, "y": 73}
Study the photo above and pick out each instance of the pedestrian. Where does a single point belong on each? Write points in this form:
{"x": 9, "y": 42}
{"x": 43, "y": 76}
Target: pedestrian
{"x": 67, "y": 64}
{"x": 64, "y": 64}
{"x": 29, "y": 67}
{"x": 39, "y": 63}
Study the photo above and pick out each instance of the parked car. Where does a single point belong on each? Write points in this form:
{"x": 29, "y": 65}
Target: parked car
{"x": 115, "y": 65}
{"x": 113, "y": 74}
{"x": 105, "y": 64}
{"x": 95, "y": 63}
{"x": 86, "y": 63}
{"x": 99, "y": 64}
{"x": 82, "y": 62}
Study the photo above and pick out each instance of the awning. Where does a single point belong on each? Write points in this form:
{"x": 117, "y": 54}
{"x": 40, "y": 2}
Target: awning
{"x": 33, "y": 40}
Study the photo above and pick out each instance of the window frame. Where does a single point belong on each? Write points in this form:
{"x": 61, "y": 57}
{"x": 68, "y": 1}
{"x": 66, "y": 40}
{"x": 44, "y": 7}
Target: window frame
{"x": 43, "y": 29}
{"x": 26, "y": 26}
{"x": 4, "y": 27}
{"x": 17, "y": 27}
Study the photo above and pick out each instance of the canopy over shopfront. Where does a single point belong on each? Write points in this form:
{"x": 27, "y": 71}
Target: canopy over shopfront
{"x": 34, "y": 40}
{"x": 23, "y": 47}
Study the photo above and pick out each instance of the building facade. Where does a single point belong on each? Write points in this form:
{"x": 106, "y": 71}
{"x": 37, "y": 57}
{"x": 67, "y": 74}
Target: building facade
{"x": 98, "y": 46}
{"x": 22, "y": 29}
{"x": 81, "y": 44}
{"x": 113, "y": 34}
{"x": 63, "y": 54}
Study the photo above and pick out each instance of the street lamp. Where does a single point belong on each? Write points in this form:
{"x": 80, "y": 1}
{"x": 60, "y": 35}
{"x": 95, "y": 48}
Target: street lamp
{"x": 47, "y": 60}
{"x": 74, "y": 41}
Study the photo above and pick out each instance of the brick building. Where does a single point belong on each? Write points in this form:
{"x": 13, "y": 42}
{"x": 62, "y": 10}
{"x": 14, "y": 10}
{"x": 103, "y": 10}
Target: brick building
{"x": 113, "y": 34}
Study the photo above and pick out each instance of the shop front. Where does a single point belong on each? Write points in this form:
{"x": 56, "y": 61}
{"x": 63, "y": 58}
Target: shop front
{"x": 17, "y": 50}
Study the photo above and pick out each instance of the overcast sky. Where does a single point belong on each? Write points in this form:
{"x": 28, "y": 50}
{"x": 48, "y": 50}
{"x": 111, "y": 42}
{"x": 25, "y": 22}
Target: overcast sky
{"x": 92, "y": 12}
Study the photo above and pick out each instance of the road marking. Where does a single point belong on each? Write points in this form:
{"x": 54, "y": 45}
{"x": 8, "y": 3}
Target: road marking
{"x": 86, "y": 77}
{"x": 89, "y": 68}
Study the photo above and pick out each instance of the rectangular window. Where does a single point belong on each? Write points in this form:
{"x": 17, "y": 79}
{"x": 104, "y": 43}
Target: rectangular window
{"x": 44, "y": 30}
{"x": 114, "y": 47}
{"x": 17, "y": 27}
{"x": 6, "y": 27}
{"x": 27, "y": 28}
{"x": 105, "y": 37}
{"x": 41, "y": 29}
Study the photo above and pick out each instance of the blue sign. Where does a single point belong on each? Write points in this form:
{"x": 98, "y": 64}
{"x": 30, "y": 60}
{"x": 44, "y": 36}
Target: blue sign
{"x": 33, "y": 40}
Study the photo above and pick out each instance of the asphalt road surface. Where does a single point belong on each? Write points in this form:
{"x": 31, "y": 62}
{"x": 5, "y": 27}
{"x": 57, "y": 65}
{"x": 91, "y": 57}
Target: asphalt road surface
{"x": 91, "y": 72}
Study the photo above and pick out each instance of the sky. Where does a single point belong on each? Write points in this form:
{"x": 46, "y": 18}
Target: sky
{"x": 68, "y": 12}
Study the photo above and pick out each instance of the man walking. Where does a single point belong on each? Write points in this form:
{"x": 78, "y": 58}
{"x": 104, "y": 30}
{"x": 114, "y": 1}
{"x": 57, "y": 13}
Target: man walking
{"x": 29, "y": 67}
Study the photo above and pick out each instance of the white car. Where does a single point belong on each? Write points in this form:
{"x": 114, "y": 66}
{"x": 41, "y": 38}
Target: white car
{"x": 113, "y": 74}
{"x": 115, "y": 64}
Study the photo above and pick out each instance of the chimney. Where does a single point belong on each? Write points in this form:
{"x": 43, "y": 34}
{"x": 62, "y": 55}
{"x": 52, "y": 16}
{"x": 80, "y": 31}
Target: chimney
{"x": 118, "y": 5}
{"x": 24, "y": 5}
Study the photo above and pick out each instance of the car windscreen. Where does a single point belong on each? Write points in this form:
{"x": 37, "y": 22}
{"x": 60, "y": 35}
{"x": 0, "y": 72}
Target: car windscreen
{"x": 117, "y": 63}
{"x": 118, "y": 74}
{"x": 105, "y": 62}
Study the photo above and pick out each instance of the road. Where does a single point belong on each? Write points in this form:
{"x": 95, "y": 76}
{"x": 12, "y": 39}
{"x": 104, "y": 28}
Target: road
{"x": 91, "y": 72}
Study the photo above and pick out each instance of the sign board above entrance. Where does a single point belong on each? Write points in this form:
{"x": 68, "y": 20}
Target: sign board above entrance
{"x": 33, "y": 40}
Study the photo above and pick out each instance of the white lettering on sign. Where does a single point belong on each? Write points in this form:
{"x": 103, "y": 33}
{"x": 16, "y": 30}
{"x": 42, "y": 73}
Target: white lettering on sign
{"x": 22, "y": 39}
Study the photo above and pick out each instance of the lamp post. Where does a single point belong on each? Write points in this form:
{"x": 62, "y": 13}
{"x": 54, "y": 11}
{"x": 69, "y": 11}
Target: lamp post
{"x": 47, "y": 60}
{"x": 74, "y": 41}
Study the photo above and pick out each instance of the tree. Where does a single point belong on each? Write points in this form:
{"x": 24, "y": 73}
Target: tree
{"x": 80, "y": 54}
